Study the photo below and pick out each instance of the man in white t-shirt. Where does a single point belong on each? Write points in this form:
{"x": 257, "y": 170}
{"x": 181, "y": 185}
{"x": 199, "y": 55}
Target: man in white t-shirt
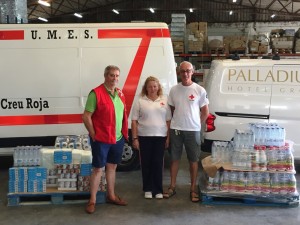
{"x": 189, "y": 105}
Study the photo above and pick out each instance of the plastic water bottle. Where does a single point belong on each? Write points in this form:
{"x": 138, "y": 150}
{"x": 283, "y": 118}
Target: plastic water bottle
{"x": 224, "y": 186}
{"x": 275, "y": 185}
{"x": 240, "y": 187}
{"x": 249, "y": 182}
{"x": 268, "y": 138}
{"x": 281, "y": 136}
{"x": 280, "y": 153}
{"x": 253, "y": 155}
{"x": 36, "y": 155}
{"x": 291, "y": 186}
{"x": 31, "y": 161}
{"x": 257, "y": 182}
{"x": 272, "y": 158}
{"x": 283, "y": 183}
{"x": 262, "y": 158}
{"x": 16, "y": 156}
{"x": 22, "y": 156}
{"x": 256, "y": 157}
{"x": 289, "y": 159}
{"x": 265, "y": 183}
{"x": 233, "y": 178}
{"x": 214, "y": 151}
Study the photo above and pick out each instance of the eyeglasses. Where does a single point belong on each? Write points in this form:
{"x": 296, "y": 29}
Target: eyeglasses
{"x": 186, "y": 71}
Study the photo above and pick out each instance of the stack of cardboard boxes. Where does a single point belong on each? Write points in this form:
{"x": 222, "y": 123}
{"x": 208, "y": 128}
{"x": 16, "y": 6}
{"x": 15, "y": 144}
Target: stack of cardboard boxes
{"x": 258, "y": 47}
{"x": 197, "y": 37}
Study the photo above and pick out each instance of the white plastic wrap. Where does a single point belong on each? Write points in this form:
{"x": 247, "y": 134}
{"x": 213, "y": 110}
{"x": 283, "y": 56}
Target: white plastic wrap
{"x": 47, "y": 157}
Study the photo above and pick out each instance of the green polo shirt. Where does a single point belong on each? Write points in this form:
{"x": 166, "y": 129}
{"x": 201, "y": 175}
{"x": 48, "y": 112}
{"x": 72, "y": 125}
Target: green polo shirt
{"x": 91, "y": 105}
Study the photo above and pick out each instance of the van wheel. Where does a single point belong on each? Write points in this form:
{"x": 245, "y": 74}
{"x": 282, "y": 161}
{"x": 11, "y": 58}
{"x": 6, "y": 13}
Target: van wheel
{"x": 130, "y": 159}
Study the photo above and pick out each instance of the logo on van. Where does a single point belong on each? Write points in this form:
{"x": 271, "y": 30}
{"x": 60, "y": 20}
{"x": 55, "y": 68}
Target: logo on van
{"x": 250, "y": 75}
{"x": 261, "y": 81}
{"x": 27, "y": 103}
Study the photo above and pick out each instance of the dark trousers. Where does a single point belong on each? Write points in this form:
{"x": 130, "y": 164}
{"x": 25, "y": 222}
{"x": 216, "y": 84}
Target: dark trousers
{"x": 152, "y": 158}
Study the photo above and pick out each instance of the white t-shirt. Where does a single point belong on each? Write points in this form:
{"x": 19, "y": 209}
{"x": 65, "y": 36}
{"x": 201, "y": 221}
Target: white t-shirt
{"x": 187, "y": 101}
{"x": 152, "y": 116}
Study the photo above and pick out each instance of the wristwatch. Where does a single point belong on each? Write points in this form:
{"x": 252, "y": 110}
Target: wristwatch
{"x": 134, "y": 138}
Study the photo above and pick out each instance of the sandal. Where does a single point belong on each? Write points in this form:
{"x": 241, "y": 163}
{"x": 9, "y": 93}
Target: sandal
{"x": 194, "y": 196}
{"x": 170, "y": 192}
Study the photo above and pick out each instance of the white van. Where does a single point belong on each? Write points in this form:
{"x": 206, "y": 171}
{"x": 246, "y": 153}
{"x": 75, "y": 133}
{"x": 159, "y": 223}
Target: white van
{"x": 253, "y": 90}
{"x": 47, "y": 71}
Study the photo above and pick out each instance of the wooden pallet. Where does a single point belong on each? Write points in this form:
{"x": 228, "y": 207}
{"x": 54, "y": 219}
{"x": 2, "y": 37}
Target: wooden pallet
{"x": 52, "y": 197}
{"x": 292, "y": 201}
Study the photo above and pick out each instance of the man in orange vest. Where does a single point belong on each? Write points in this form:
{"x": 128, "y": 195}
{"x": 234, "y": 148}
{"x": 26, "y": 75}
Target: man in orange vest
{"x": 105, "y": 118}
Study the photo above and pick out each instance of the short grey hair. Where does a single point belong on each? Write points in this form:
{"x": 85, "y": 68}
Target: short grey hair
{"x": 186, "y": 62}
{"x": 109, "y": 68}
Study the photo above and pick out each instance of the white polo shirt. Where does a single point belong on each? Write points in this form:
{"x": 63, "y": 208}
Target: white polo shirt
{"x": 151, "y": 116}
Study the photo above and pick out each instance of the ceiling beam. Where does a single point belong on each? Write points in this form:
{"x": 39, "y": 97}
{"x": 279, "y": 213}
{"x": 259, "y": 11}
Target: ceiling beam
{"x": 271, "y": 4}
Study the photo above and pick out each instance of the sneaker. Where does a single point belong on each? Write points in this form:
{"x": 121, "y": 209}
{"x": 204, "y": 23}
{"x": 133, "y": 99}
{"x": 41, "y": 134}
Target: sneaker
{"x": 148, "y": 194}
{"x": 90, "y": 208}
{"x": 159, "y": 196}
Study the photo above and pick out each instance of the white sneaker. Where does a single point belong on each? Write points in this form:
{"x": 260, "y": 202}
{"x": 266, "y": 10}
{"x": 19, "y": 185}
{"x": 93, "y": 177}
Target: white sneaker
{"x": 159, "y": 196}
{"x": 148, "y": 194}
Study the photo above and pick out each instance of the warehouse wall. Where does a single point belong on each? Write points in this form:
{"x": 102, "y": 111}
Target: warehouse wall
{"x": 13, "y": 11}
{"x": 246, "y": 29}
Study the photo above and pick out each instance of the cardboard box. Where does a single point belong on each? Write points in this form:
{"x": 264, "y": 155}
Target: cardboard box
{"x": 263, "y": 49}
{"x": 211, "y": 168}
{"x": 253, "y": 46}
{"x": 202, "y": 25}
{"x": 283, "y": 44}
{"x": 193, "y": 26}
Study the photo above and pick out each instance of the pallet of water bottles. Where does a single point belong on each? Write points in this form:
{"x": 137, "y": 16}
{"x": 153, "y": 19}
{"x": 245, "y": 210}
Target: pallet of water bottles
{"x": 257, "y": 188}
{"x": 257, "y": 167}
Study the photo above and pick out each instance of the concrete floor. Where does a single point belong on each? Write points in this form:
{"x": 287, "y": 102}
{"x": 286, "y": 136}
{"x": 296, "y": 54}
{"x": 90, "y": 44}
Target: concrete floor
{"x": 177, "y": 210}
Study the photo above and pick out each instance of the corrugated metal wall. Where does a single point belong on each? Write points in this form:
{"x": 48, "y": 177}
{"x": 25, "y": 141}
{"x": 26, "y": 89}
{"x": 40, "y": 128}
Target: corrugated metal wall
{"x": 13, "y": 11}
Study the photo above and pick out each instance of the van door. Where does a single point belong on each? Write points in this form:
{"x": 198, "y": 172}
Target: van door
{"x": 285, "y": 107}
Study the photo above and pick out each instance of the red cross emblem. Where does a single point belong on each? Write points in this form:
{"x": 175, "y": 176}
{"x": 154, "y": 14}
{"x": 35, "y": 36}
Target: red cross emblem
{"x": 191, "y": 97}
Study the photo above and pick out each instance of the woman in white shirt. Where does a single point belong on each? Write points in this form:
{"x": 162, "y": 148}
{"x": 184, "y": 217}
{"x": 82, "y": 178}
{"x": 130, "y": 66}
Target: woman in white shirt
{"x": 151, "y": 117}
